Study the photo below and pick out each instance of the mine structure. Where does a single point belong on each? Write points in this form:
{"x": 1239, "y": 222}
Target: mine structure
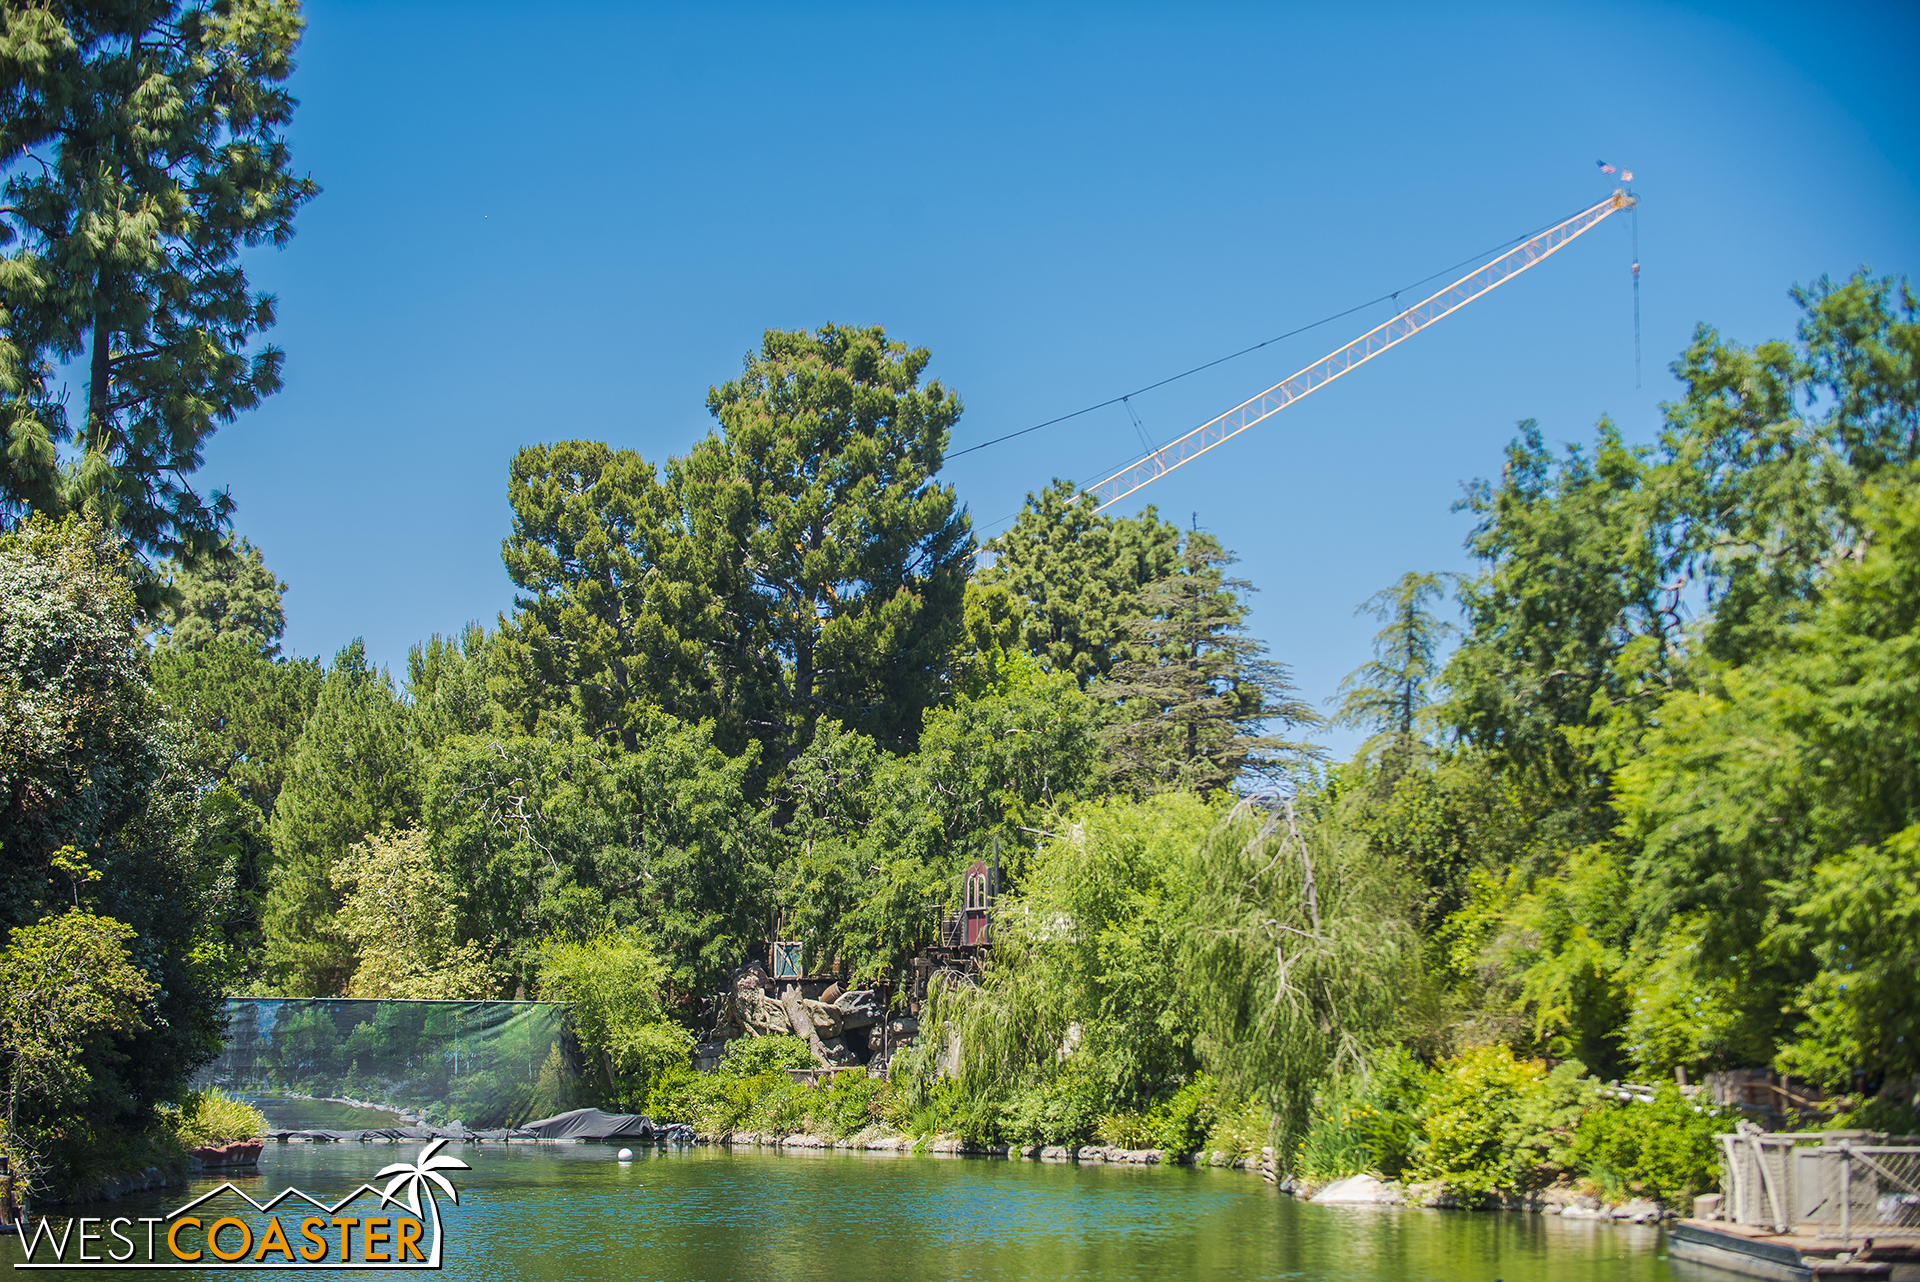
{"x": 855, "y": 1027}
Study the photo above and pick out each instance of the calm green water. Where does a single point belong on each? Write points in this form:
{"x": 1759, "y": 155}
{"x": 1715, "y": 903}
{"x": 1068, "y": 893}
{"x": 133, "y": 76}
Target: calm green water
{"x": 572, "y": 1211}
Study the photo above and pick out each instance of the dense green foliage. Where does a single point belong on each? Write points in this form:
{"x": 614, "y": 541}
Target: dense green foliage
{"x": 1656, "y": 809}
{"x": 142, "y": 148}
{"x": 114, "y": 886}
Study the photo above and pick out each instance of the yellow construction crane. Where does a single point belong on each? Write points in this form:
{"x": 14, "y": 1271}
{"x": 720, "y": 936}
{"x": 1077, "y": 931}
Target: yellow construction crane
{"x": 1361, "y": 350}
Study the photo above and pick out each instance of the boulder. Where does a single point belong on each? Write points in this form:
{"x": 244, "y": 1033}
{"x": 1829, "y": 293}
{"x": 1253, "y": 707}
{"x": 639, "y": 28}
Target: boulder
{"x": 859, "y": 1008}
{"x": 1055, "y": 1153}
{"x": 1640, "y": 1211}
{"x": 839, "y": 1054}
{"x": 827, "y": 1020}
{"x": 760, "y": 1013}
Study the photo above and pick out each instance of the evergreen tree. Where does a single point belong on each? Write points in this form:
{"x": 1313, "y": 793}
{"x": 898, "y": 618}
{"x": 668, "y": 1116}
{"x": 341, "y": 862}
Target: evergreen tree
{"x": 353, "y": 773}
{"x": 1188, "y": 714}
{"x": 838, "y": 566}
{"x": 229, "y": 593}
{"x": 142, "y": 149}
{"x": 1388, "y": 694}
{"x": 1763, "y": 460}
{"x": 609, "y": 623}
{"x": 1572, "y": 627}
{"x": 215, "y": 666}
{"x": 447, "y": 688}
{"x": 1076, "y": 577}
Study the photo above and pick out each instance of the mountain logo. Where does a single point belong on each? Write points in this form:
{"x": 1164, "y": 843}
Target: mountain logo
{"x": 226, "y": 1228}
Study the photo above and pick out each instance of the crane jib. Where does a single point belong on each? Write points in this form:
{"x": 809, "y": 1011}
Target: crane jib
{"x": 1361, "y": 350}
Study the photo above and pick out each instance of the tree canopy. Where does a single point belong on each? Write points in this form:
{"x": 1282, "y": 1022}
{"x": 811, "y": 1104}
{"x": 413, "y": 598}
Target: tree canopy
{"x": 142, "y": 147}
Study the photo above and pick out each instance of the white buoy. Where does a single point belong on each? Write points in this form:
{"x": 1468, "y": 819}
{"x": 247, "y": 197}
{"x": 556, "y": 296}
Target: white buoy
{"x": 626, "y": 1155}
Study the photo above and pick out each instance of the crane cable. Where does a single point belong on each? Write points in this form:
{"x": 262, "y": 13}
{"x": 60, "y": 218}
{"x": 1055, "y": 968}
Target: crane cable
{"x": 1324, "y": 320}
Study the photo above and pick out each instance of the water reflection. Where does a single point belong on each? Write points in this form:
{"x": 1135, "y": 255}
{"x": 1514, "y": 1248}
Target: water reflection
{"x": 571, "y": 1211}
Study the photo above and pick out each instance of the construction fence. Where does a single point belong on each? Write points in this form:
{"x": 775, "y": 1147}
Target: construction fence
{"x": 481, "y": 1064}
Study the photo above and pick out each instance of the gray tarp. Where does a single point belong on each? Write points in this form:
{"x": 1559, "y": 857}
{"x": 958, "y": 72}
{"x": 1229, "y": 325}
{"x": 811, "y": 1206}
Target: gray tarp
{"x": 580, "y": 1124}
{"x": 592, "y": 1124}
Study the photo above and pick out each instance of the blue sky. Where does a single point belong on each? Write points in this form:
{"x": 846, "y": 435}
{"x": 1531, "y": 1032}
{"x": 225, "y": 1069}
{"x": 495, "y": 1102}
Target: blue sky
{"x": 547, "y": 222}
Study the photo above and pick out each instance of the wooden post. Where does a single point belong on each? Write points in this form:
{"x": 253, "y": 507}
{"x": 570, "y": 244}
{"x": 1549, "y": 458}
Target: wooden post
{"x": 993, "y": 895}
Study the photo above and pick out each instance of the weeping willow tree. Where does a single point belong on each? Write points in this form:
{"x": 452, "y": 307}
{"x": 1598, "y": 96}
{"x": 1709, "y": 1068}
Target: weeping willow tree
{"x": 1159, "y": 939}
{"x": 1299, "y": 945}
{"x": 1080, "y": 1013}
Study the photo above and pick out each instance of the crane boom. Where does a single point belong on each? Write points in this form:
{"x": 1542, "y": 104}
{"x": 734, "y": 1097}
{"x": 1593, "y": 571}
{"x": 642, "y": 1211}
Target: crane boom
{"x": 1361, "y": 350}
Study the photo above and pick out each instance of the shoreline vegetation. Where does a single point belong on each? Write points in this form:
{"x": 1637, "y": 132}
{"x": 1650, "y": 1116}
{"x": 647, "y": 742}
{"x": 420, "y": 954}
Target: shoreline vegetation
{"x": 1639, "y": 798}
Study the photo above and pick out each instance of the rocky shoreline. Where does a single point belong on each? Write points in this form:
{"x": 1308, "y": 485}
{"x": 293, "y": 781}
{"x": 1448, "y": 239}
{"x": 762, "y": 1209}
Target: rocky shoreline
{"x": 1565, "y": 1201}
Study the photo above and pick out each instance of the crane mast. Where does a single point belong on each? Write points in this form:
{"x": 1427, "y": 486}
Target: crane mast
{"x": 1355, "y": 354}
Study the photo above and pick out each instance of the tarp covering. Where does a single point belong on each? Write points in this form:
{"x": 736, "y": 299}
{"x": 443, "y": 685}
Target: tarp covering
{"x": 592, "y": 1124}
{"x": 463, "y": 1064}
{"x": 395, "y": 1134}
{"x": 580, "y": 1124}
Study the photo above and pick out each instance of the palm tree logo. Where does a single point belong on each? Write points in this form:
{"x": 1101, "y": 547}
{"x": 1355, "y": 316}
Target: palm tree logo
{"x": 424, "y": 1173}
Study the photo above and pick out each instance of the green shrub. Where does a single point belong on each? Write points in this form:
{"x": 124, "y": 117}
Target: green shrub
{"x": 211, "y": 1117}
{"x": 1241, "y": 1132}
{"x": 721, "y": 1104}
{"x": 1180, "y": 1123}
{"x": 782, "y": 1104}
{"x": 1124, "y": 1130}
{"x": 1065, "y": 1110}
{"x": 1878, "y": 1114}
{"x": 672, "y": 1094}
{"x": 1338, "y": 1139}
{"x": 1494, "y": 1126}
{"x": 752, "y": 1056}
{"x": 1366, "y": 1124}
{"x": 851, "y": 1102}
{"x": 1664, "y": 1150}
{"x": 924, "y": 1112}
{"x": 979, "y": 1119}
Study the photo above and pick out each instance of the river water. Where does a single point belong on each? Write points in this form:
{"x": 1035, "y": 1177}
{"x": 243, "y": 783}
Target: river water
{"x": 541, "y": 1211}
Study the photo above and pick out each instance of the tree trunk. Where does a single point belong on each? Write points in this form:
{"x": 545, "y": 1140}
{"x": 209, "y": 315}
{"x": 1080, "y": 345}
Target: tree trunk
{"x": 797, "y": 1018}
{"x": 99, "y": 375}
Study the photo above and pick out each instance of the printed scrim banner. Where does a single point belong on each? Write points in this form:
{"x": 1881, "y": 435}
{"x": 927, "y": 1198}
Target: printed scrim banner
{"x": 395, "y": 1227}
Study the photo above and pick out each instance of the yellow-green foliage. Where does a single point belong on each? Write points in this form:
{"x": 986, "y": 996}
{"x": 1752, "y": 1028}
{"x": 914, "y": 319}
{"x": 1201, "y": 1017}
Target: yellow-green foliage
{"x": 1663, "y": 1150}
{"x": 1494, "y": 1126}
{"x": 212, "y": 1117}
{"x": 1365, "y": 1122}
{"x": 717, "y": 1103}
{"x": 851, "y": 1102}
{"x": 1125, "y": 1130}
{"x": 611, "y": 986}
{"x": 400, "y": 917}
{"x": 1242, "y": 1132}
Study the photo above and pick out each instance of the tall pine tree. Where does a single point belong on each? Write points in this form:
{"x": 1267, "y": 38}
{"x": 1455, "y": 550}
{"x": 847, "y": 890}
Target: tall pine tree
{"x": 142, "y": 149}
{"x": 1076, "y": 577}
{"x": 353, "y": 772}
{"x": 1189, "y": 713}
{"x": 837, "y": 563}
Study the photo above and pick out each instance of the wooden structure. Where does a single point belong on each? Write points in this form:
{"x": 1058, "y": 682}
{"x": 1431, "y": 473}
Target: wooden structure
{"x": 1809, "y": 1204}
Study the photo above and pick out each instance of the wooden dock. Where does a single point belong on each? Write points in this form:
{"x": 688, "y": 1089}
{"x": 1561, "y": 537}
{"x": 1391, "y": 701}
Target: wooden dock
{"x": 1758, "y": 1252}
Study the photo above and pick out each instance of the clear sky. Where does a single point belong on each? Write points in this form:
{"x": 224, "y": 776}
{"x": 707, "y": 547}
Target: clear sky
{"x": 556, "y": 221}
